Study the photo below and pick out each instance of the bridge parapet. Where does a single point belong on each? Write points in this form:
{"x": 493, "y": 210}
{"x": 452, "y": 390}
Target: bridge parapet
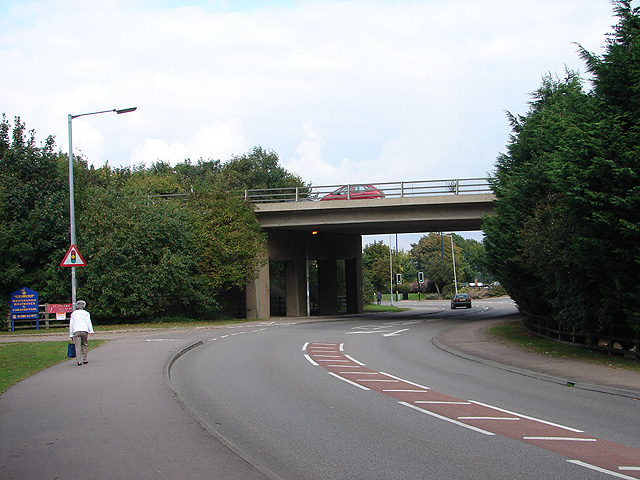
{"x": 414, "y": 188}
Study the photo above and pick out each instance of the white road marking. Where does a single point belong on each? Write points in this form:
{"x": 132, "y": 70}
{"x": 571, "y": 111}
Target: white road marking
{"x": 599, "y": 469}
{"x": 527, "y": 417}
{"x": 563, "y": 439}
{"x": 306, "y": 355}
{"x": 442, "y": 403}
{"x": 348, "y": 381}
{"x": 354, "y": 360}
{"x": 450, "y": 420}
{"x": 405, "y": 381}
{"x": 374, "y": 380}
{"x": 394, "y": 334}
{"x": 360, "y": 373}
{"x": 407, "y": 390}
{"x": 488, "y": 418}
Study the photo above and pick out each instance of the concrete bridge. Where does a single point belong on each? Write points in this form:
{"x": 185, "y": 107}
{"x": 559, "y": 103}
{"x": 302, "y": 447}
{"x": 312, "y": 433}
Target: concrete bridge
{"x": 302, "y": 226}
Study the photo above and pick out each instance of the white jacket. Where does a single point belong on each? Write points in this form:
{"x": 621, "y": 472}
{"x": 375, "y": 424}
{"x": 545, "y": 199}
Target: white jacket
{"x": 80, "y": 322}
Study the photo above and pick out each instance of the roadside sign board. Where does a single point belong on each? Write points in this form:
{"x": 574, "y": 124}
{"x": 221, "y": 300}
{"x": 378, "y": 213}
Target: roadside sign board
{"x": 24, "y": 306}
{"x": 59, "y": 308}
{"x": 72, "y": 258}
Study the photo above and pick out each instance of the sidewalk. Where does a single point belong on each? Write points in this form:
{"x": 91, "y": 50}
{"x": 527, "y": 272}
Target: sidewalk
{"x": 471, "y": 341}
{"x": 114, "y": 418}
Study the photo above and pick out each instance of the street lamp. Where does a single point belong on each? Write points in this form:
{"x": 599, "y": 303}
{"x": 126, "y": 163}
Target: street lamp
{"x": 72, "y": 213}
{"x": 453, "y": 256}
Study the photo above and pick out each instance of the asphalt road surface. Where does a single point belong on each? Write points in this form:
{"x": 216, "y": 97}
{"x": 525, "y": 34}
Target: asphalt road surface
{"x": 372, "y": 398}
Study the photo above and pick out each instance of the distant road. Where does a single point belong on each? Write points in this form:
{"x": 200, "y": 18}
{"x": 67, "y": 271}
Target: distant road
{"x": 372, "y": 398}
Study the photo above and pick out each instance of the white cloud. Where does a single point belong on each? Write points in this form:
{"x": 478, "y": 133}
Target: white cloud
{"x": 218, "y": 141}
{"x": 384, "y": 89}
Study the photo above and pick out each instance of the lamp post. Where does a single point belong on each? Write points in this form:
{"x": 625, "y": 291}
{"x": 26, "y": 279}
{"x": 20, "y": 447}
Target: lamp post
{"x": 453, "y": 257}
{"x": 72, "y": 213}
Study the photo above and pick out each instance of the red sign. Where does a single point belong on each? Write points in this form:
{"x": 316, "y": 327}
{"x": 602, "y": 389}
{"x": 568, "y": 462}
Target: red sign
{"x": 72, "y": 258}
{"x": 59, "y": 308}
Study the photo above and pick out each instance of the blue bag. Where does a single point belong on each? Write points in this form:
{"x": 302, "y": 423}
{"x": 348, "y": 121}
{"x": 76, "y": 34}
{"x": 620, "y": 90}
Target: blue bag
{"x": 71, "y": 350}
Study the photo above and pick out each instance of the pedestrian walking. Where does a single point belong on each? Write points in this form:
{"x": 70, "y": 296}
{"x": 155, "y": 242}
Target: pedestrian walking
{"x": 379, "y": 297}
{"x": 79, "y": 329}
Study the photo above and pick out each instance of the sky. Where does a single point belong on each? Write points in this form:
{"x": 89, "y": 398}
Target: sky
{"x": 344, "y": 91}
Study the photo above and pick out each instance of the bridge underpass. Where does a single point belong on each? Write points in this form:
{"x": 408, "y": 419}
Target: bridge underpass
{"x": 323, "y": 233}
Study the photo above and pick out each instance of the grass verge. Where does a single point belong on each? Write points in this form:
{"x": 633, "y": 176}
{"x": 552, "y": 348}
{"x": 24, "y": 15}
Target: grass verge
{"x": 372, "y": 307}
{"x": 515, "y": 333}
{"x": 19, "y": 360}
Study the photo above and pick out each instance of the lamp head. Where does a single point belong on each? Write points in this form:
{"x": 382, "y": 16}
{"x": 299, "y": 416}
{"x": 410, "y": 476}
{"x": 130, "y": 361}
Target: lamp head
{"x": 126, "y": 110}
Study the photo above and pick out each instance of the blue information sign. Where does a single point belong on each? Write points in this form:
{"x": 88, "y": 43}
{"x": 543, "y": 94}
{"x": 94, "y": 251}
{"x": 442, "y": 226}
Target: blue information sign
{"x": 24, "y": 306}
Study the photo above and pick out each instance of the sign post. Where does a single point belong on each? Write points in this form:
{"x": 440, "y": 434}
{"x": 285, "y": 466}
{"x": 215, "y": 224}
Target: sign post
{"x": 24, "y": 306}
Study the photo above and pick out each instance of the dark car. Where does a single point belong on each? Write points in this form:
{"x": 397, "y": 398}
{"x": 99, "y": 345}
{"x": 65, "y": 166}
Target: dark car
{"x": 357, "y": 192}
{"x": 461, "y": 300}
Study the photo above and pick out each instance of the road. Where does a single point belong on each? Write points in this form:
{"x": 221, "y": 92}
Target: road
{"x": 372, "y": 398}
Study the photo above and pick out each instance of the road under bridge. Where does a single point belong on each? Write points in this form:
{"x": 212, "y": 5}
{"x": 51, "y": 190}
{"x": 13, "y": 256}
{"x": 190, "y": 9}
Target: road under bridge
{"x": 301, "y": 227}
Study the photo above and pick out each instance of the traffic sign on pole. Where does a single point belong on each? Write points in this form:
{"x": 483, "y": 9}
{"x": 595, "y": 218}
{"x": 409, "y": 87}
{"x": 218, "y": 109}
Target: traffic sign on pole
{"x": 72, "y": 258}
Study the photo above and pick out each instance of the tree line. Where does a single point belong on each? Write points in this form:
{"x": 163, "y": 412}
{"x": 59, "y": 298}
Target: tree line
{"x": 432, "y": 255}
{"x": 162, "y": 240}
{"x": 566, "y": 239}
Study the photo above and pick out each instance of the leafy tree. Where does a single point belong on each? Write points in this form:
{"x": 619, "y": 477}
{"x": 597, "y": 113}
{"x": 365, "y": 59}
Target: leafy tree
{"x": 606, "y": 200}
{"x": 257, "y": 169}
{"x": 138, "y": 258}
{"x": 568, "y": 193}
{"x": 199, "y": 177}
{"x": 34, "y": 225}
{"x": 228, "y": 240}
{"x": 432, "y": 256}
{"x": 376, "y": 266}
{"x": 537, "y": 172}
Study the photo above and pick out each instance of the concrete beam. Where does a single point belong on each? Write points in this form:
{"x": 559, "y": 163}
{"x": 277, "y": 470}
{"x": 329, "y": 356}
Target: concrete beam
{"x": 379, "y": 216}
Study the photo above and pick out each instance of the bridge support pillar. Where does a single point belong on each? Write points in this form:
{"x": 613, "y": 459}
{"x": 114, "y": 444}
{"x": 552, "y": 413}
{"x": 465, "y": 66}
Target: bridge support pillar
{"x": 257, "y": 293}
{"x": 353, "y": 274}
{"x": 295, "y": 248}
{"x": 296, "y": 287}
{"x": 328, "y": 286}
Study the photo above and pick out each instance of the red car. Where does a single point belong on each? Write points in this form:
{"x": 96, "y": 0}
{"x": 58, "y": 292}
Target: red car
{"x": 357, "y": 192}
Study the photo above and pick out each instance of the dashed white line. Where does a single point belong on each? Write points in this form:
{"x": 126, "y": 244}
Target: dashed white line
{"x": 600, "y": 469}
{"x": 354, "y": 360}
{"x": 527, "y": 417}
{"x": 348, "y": 381}
{"x": 407, "y": 390}
{"x": 450, "y": 420}
{"x": 405, "y": 381}
{"x": 374, "y": 380}
{"x": 563, "y": 439}
{"x": 360, "y": 373}
{"x": 437, "y": 402}
{"x": 488, "y": 418}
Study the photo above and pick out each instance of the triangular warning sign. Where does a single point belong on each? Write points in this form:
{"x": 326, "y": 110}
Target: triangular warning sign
{"x": 72, "y": 258}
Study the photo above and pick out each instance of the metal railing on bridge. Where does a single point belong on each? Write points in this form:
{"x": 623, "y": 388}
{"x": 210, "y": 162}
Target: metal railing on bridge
{"x": 418, "y": 188}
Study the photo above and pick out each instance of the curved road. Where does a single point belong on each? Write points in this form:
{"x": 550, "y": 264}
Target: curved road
{"x": 371, "y": 397}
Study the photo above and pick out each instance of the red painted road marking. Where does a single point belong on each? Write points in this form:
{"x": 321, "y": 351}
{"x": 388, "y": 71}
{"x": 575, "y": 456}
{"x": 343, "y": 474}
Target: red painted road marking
{"x": 613, "y": 459}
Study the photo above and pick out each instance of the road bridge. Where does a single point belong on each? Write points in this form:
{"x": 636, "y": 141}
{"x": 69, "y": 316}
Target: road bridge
{"x": 303, "y": 225}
